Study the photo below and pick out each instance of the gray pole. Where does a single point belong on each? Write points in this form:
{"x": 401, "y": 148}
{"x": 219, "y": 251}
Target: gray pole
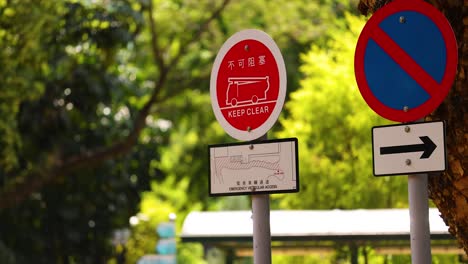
{"x": 419, "y": 219}
{"x": 261, "y": 229}
{"x": 420, "y": 233}
{"x": 261, "y": 226}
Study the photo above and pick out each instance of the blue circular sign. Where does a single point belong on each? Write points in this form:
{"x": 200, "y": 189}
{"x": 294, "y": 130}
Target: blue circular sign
{"x": 406, "y": 60}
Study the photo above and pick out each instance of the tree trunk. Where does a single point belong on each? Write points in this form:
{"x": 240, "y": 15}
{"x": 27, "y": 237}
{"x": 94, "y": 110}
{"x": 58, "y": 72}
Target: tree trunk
{"x": 449, "y": 191}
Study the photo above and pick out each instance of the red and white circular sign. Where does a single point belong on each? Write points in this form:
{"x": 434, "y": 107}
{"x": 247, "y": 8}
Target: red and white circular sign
{"x": 248, "y": 84}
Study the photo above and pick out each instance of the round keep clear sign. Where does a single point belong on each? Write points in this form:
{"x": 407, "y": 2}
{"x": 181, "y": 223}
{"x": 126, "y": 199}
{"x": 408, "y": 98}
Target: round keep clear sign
{"x": 248, "y": 84}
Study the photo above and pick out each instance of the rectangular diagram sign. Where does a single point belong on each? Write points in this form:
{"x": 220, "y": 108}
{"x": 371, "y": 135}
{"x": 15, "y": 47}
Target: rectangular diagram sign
{"x": 409, "y": 148}
{"x": 254, "y": 167}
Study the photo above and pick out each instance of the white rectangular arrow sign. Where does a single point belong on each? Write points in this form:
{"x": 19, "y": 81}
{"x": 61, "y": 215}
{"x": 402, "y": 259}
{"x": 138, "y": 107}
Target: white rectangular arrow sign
{"x": 409, "y": 148}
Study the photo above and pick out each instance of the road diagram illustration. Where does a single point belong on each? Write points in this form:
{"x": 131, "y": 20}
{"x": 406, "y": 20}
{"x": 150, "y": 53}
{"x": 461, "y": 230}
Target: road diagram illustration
{"x": 264, "y": 167}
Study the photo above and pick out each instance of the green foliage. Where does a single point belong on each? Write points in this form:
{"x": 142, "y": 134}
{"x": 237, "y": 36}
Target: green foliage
{"x": 6, "y": 255}
{"x": 294, "y": 25}
{"x": 59, "y": 80}
{"x": 188, "y": 117}
{"x": 75, "y": 74}
{"x": 333, "y": 127}
{"x": 185, "y": 154}
{"x": 23, "y": 31}
{"x": 310, "y": 259}
{"x": 164, "y": 199}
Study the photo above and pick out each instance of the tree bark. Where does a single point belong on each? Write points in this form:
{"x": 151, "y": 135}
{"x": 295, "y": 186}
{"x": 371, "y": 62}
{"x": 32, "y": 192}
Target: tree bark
{"x": 449, "y": 190}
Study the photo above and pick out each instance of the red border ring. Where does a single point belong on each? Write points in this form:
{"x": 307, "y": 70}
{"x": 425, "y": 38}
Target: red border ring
{"x": 451, "y": 62}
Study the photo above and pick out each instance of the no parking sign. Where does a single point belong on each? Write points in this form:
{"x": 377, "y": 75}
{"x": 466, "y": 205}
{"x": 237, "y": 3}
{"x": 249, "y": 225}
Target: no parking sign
{"x": 406, "y": 60}
{"x": 405, "y": 63}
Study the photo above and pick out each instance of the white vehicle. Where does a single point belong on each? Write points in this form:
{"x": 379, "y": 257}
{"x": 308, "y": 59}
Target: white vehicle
{"x": 242, "y": 90}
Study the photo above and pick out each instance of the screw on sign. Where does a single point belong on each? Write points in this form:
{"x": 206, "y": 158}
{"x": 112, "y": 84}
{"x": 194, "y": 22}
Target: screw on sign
{"x": 248, "y": 84}
{"x": 406, "y": 60}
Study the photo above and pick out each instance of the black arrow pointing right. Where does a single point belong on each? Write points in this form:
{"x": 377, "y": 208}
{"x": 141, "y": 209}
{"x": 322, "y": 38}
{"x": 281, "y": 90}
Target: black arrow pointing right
{"x": 427, "y": 147}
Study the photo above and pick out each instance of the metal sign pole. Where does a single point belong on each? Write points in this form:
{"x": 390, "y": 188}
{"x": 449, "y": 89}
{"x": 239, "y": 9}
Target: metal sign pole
{"x": 261, "y": 226}
{"x": 420, "y": 232}
{"x": 394, "y": 153}
{"x": 268, "y": 74}
{"x": 419, "y": 219}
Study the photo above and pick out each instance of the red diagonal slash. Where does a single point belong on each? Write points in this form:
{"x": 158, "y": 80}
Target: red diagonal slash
{"x": 406, "y": 62}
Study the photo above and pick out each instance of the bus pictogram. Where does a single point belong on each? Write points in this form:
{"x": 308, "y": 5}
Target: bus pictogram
{"x": 247, "y": 90}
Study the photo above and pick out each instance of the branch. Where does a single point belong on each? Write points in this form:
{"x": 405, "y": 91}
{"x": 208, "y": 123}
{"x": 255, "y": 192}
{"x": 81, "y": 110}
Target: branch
{"x": 196, "y": 37}
{"x": 157, "y": 53}
{"x": 35, "y": 181}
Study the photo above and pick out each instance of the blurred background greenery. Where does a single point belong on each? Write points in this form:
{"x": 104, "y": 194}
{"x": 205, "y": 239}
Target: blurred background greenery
{"x": 105, "y": 115}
